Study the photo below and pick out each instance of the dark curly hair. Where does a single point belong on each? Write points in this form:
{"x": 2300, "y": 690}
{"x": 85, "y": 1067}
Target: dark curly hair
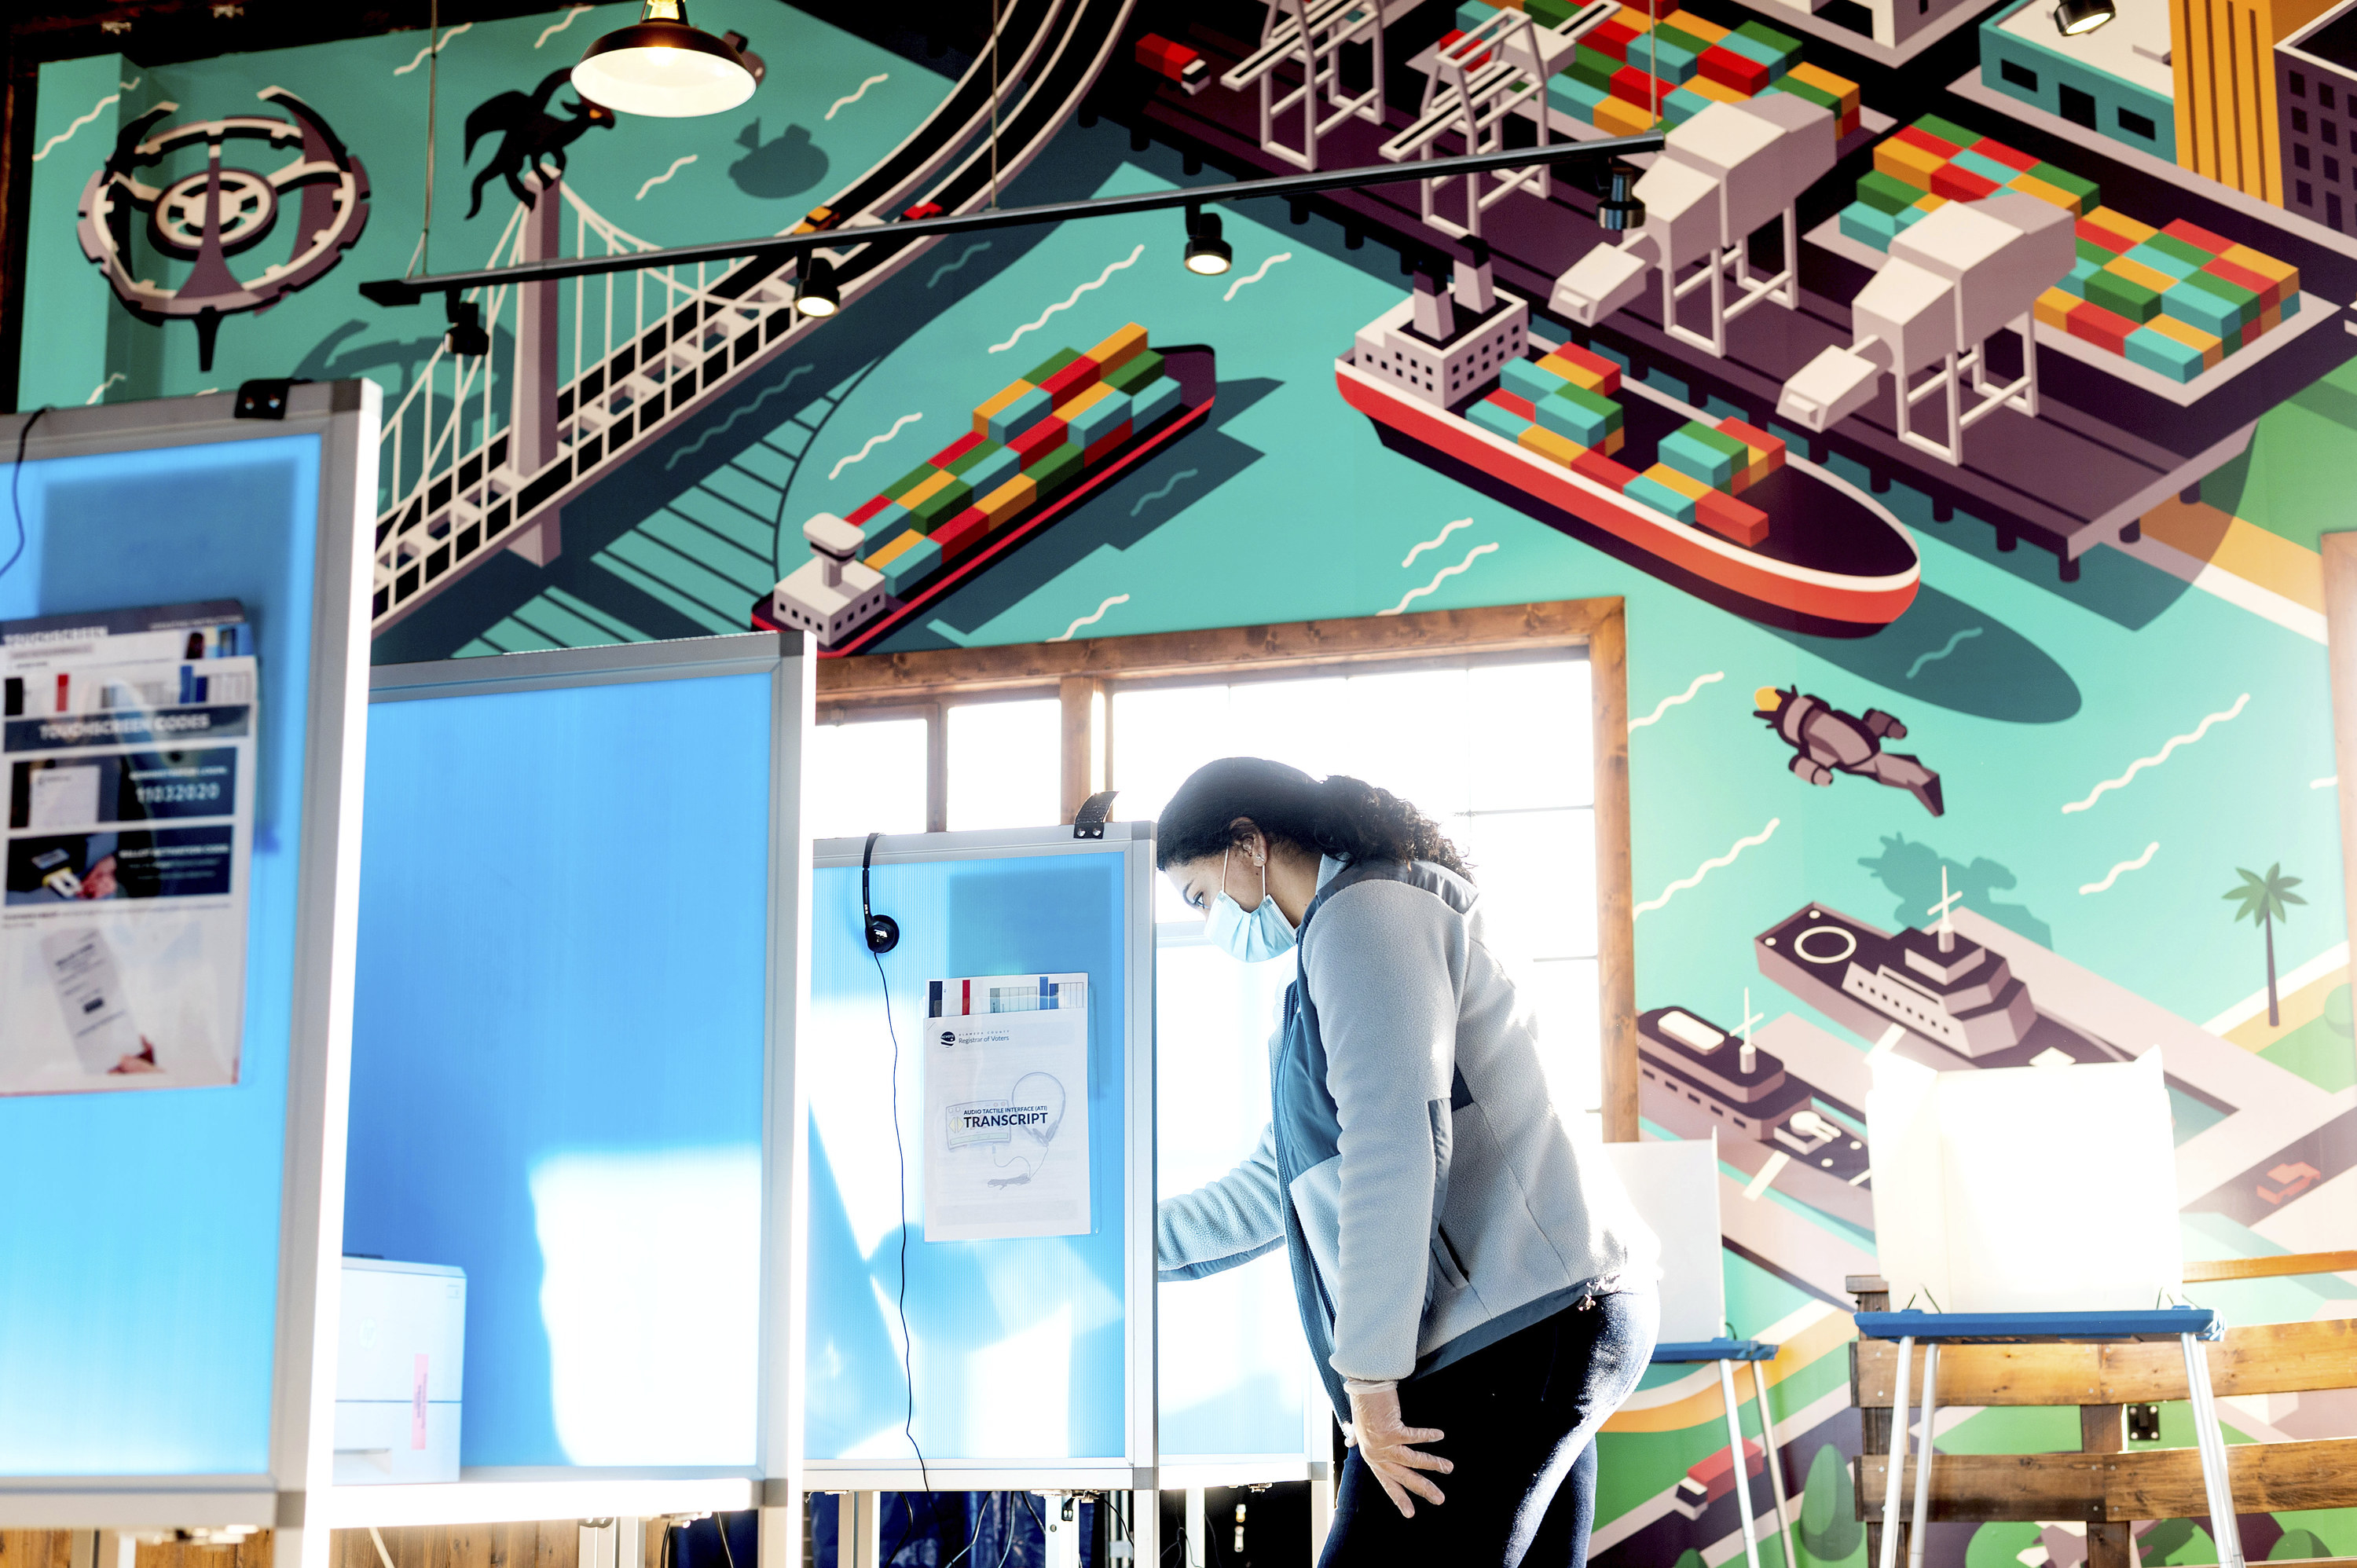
{"x": 1344, "y": 817}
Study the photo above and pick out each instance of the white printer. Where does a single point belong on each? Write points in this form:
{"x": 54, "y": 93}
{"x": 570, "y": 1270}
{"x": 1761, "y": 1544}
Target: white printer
{"x": 399, "y": 1366}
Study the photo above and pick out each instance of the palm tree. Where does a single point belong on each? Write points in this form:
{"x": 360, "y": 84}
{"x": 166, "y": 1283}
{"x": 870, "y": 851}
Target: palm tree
{"x": 2262, "y": 900}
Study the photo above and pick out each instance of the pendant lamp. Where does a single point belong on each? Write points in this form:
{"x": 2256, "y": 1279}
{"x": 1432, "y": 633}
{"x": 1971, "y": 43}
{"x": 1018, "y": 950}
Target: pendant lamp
{"x": 661, "y": 66}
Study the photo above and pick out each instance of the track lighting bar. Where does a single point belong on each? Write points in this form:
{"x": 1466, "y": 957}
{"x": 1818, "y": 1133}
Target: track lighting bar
{"x": 778, "y": 247}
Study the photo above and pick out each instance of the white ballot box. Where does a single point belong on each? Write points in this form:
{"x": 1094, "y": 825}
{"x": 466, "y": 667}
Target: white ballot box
{"x": 399, "y": 1369}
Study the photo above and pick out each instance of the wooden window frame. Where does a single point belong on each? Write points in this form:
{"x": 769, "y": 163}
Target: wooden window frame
{"x": 1080, "y": 675}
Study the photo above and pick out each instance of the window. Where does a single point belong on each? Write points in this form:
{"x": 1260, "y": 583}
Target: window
{"x": 2332, "y": 168}
{"x": 2323, "y": 96}
{"x": 2300, "y": 155}
{"x": 2136, "y": 125}
{"x": 1487, "y": 724}
{"x": 2299, "y": 121}
{"x": 2329, "y": 131}
{"x": 2303, "y": 193}
{"x": 2078, "y": 107}
{"x": 2019, "y": 75}
{"x": 2299, "y": 85}
{"x": 2332, "y": 208}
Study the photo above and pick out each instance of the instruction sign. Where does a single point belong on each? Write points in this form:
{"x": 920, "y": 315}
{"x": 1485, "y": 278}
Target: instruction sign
{"x": 1007, "y": 1108}
{"x": 127, "y": 746}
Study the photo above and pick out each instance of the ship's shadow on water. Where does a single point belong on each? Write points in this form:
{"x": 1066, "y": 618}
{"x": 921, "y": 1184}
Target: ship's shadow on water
{"x": 1128, "y": 511}
{"x": 1945, "y": 652}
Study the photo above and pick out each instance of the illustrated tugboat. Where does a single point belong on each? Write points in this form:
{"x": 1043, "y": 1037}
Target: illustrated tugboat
{"x": 1034, "y": 450}
{"x": 1453, "y": 376}
{"x": 1694, "y": 1077}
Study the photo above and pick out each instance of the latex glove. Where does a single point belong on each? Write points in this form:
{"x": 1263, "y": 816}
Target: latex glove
{"x": 1385, "y": 1444}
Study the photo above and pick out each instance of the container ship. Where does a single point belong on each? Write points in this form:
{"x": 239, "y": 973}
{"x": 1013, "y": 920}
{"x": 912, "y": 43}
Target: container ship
{"x": 1033, "y": 451}
{"x": 1694, "y": 1077}
{"x": 1453, "y": 376}
{"x": 1959, "y": 1004}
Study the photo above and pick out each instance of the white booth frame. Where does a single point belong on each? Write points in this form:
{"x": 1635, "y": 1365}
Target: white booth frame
{"x": 344, "y": 417}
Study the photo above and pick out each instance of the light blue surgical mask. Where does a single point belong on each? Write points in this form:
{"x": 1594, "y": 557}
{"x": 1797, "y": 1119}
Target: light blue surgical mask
{"x": 1248, "y": 937}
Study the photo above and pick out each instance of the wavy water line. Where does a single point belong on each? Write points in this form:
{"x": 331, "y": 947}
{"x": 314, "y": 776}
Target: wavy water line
{"x": 1950, "y": 646}
{"x": 873, "y": 443}
{"x": 95, "y": 111}
{"x": 724, "y": 426}
{"x": 1091, "y": 619}
{"x": 1666, "y": 704}
{"x": 2329, "y": 781}
{"x": 2155, "y": 760}
{"x": 100, "y": 391}
{"x": 1139, "y": 505}
{"x": 433, "y": 48}
{"x": 1716, "y": 862}
{"x": 1434, "y": 542}
{"x": 855, "y": 94}
{"x": 1438, "y": 578}
{"x": 1074, "y": 298}
{"x": 2138, "y": 864}
{"x": 555, "y": 27}
{"x": 677, "y": 164}
{"x": 963, "y": 256}
{"x": 1280, "y": 256}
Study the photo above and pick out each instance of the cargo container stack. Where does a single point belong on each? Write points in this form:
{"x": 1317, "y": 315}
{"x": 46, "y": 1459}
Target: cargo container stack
{"x": 1631, "y": 71}
{"x": 2176, "y": 299}
{"x": 1071, "y": 413}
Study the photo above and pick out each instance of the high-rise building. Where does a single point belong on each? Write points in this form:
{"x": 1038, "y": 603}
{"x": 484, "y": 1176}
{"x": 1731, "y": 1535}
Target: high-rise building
{"x": 2316, "y": 100}
{"x": 2222, "y": 58}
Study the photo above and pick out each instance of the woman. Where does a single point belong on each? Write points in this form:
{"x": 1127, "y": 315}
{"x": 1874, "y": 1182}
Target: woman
{"x": 1476, "y": 1289}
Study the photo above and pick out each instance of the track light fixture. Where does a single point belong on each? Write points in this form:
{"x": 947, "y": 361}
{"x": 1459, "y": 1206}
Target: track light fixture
{"x": 1207, "y": 253}
{"x": 467, "y": 337}
{"x": 662, "y": 67}
{"x": 2075, "y": 17}
{"x": 1620, "y": 211}
{"x": 814, "y": 290}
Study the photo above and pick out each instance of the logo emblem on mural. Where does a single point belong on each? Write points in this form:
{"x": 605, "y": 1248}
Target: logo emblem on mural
{"x": 217, "y": 212}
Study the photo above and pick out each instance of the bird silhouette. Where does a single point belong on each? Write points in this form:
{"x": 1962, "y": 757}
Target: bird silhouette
{"x": 528, "y": 132}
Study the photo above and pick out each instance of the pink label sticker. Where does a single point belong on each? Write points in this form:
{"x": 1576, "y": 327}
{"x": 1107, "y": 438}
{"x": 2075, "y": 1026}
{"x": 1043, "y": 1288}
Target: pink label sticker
{"x": 418, "y": 1405}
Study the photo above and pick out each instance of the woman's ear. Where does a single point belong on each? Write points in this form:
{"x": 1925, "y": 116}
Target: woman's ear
{"x": 1247, "y": 837}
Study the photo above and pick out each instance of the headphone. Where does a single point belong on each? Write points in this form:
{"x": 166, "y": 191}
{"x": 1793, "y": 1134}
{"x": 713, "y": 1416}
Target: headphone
{"x": 883, "y": 932}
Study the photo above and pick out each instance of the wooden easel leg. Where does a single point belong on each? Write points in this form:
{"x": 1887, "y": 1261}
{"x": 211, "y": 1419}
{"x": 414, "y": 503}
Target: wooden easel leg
{"x": 2102, "y": 1429}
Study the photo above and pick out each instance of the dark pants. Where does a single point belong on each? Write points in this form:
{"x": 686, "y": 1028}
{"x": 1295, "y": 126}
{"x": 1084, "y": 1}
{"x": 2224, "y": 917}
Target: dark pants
{"x": 1520, "y": 1418}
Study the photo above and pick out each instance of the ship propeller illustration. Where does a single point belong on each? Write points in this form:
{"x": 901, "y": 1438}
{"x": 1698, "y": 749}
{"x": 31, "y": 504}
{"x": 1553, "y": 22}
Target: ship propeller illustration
{"x": 207, "y": 217}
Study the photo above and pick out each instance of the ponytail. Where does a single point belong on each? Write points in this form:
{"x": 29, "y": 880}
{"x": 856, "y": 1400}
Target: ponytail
{"x": 1346, "y": 818}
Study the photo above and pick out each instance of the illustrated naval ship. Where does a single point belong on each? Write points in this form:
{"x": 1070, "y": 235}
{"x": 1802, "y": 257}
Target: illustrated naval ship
{"x": 1694, "y": 1077}
{"x": 1957, "y": 1004}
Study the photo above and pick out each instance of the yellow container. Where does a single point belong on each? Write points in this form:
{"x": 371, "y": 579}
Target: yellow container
{"x": 1902, "y": 161}
{"x": 2030, "y": 185}
{"x": 916, "y": 496}
{"x": 1086, "y": 398}
{"x": 1824, "y": 80}
{"x": 1552, "y": 447}
{"x": 2134, "y": 271}
{"x": 1120, "y": 349}
{"x": 1686, "y": 485}
{"x": 1008, "y": 498}
{"x": 2121, "y": 223}
{"x": 2053, "y": 308}
{"x": 982, "y": 413}
{"x": 1612, "y": 442}
{"x": 902, "y": 541}
{"x": 1695, "y": 27}
{"x": 2184, "y": 332}
{"x": 1717, "y": 92}
{"x": 1629, "y": 16}
{"x": 1622, "y": 117}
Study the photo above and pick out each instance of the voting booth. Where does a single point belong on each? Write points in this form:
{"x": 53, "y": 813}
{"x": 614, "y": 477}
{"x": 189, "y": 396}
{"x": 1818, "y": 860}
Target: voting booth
{"x": 185, "y": 604}
{"x": 573, "y": 1071}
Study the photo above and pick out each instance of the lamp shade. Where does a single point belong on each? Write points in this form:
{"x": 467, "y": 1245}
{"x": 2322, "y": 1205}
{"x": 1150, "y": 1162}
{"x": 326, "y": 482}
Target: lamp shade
{"x": 661, "y": 66}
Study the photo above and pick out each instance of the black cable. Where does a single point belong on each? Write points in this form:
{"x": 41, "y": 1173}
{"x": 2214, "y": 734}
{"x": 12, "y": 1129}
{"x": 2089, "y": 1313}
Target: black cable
{"x": 720, "y": 1524}
{"x": 16, "y": 497}
{"x": 973, "y": 1537}
{"x": 900, "y": 1154}
{"x": 1006, "y": 1528}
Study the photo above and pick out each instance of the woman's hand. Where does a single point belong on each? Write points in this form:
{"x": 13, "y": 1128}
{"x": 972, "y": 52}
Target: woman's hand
{"x": 1384, "y": 1443}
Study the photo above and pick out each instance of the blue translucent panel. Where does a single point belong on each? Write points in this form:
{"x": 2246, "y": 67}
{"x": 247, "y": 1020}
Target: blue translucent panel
{"x": 1016, "y": 1345}
{"x": 557, "y": 1053}
{"x": 139, "y": 1246}
{"x": 1230, "y": 1357}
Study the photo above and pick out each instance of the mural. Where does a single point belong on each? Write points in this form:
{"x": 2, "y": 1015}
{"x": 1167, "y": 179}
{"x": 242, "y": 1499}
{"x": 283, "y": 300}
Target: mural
{"x": 1916, "y": 286}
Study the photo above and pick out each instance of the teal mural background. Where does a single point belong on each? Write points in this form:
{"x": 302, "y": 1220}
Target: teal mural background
{"x": 2114, "y": 750}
